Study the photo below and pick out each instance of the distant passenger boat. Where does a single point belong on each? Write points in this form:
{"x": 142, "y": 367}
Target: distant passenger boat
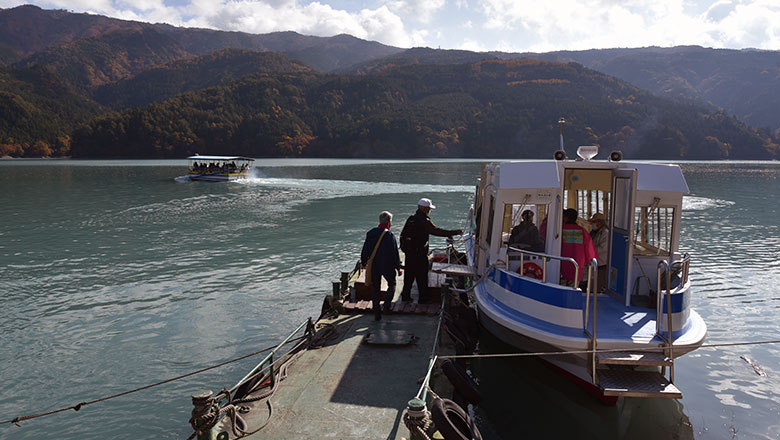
{"x": 620, "y": 334}
{"x": 219, "y": 168}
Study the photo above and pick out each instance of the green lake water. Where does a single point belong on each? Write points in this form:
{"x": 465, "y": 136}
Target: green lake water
{"x": 113, "y": 276}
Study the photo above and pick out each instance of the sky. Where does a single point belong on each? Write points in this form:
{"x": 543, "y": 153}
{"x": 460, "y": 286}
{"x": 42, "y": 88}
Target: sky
{"x": 479, "y": 25}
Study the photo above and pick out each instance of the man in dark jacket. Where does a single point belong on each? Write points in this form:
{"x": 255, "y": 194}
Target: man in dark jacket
{"x": 414, "y": 243}
{"x": 385, "y": 263}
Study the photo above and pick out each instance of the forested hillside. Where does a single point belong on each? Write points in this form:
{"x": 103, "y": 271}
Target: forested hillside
{"x": 181, "y": 91}
{"x": 166, "y": 81}
{"x": 486, "y": 109}
{"x": 743, "y": 82}
{"x": 38, "y": 112}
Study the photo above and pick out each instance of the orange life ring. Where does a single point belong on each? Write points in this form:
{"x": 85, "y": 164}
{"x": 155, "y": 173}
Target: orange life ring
{"x": 531, "y": 270}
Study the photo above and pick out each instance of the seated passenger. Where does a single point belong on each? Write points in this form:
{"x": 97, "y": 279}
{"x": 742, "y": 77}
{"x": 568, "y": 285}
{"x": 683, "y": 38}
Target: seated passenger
{"x": 525, "y": 235}
{"x": 576, "y": 244}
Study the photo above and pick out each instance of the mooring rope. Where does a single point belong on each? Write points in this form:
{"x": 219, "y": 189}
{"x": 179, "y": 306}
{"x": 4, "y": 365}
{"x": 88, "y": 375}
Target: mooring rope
{"x": 206, "y": 421}
{"x": 612, "y": 350}
{"x": 78, "y": 406}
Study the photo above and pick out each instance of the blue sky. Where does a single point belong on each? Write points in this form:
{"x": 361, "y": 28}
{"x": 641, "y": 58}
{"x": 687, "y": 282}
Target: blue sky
{"x": 481, "y": 25}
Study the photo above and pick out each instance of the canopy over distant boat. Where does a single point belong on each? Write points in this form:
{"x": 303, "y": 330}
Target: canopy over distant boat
{"x": 197, "y": 157}
{"x": 219, "y": 168}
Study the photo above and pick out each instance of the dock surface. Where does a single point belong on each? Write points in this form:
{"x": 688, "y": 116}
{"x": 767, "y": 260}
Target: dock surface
{"x": 350, "y": 388}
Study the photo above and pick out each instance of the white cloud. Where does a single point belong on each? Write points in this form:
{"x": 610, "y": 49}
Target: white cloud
{"x": 508, "y": 25}
{"x": 313, "y": 19}
{"x": 475, "y": 46}
{"x": 583, "y": 24}
{"x": 418, "y": 10}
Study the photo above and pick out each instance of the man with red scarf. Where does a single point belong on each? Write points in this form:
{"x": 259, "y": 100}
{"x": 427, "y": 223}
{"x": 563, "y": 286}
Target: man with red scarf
{"x": 385, "y": 263}
{"x": 577, "y": 244}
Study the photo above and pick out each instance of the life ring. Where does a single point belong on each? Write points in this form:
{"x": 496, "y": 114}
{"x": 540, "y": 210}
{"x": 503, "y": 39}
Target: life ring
{"x": 463, "y": 383}
{"x": 452, "y": 422}
{"x": 531, "y": 270}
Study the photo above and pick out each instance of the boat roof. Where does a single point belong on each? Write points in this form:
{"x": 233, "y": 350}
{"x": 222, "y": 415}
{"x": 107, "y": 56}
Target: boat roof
{"x": 545, "y": 174}
{"x": 198, "y": 157}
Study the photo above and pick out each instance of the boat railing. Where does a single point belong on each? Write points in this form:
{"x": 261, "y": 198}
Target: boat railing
{"x": 592, "y": 282}
{"x": 665, "y": 271}
{"x": 545, "y": 258}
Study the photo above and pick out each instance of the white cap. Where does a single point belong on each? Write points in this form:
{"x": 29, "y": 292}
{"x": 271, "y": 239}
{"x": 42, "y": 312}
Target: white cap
{"x": 426, "y": 203}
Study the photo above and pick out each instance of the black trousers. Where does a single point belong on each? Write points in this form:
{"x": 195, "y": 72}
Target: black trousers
{"x": 416, "y": 269}
{"x": 376, "y": 291}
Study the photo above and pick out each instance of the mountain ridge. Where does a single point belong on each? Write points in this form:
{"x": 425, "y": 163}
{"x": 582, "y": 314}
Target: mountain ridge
{"x": 99, "y": 62}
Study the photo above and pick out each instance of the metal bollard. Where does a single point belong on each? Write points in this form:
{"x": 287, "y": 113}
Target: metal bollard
{"x": 417, "y": 420}
{"x": 336, "y": 289}
{"x": 202, "y": 404}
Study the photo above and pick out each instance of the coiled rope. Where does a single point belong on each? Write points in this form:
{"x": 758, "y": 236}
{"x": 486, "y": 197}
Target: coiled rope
{"x": 210, "y": 412}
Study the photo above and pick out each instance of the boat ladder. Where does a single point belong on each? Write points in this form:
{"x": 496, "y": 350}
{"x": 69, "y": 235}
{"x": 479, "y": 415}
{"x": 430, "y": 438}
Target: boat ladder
{"x": 634, "y": 373}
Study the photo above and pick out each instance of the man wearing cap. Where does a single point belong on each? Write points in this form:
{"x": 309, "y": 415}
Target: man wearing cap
{"x": 599, "y": 233}
{"x": 414, "y": 244}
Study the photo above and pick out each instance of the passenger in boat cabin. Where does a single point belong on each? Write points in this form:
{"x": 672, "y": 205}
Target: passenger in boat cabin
{"x": 576, "y": 244}
{"x": 599, "y": 233}
{"x": 380, "y": 250}
{"x": 526, "y": 235}
{"x": 414, "y": 244}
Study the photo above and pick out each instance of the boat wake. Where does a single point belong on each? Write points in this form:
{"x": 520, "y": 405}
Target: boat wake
{"x": 322, "y": 188}
{"x": 182, "y": 179}
{"x": 693, "y": 203}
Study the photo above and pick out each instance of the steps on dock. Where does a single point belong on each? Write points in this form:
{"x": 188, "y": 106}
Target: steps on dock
{"x": 632, "y": 383}
{"x": 645, "y": 358}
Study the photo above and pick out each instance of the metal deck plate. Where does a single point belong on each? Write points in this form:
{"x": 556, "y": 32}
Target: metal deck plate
{"x": 633, "y": 358}
{"x": 632, "y": 383}
{"x": 389, "y": 337}
{"x": 452, "y": 269}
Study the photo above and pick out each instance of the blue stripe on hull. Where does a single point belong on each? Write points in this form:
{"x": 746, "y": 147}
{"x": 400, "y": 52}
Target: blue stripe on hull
{"x": 616, "y": 321}
{"x": 560, "y": 296}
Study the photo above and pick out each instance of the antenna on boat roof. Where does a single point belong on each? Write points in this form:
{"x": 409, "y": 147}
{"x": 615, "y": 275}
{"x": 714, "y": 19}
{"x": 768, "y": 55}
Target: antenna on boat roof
{"x": 560, "y": 153}
{"x": 561, "y": 121}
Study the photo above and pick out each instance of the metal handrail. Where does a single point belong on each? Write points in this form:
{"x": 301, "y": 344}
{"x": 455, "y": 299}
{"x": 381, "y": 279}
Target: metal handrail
{"x": 544, "y": 258}
{"x": 593, "y": 277}
{"x": 270, "y": 357}
{"x": 663, "y": 267}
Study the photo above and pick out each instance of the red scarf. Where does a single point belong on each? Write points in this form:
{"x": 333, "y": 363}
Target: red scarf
{"x": 384, "y": 225}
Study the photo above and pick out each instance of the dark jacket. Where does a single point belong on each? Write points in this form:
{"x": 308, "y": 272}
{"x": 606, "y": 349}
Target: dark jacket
{"x": 386, "y": 260}
{"x": 526, "y": 236}
{"x": 424, "y": 228}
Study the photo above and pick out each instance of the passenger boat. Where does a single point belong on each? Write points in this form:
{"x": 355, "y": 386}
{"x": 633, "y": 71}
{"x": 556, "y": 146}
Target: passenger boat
{"x": 617, "y": 342}
{"x": 219, "y": 168}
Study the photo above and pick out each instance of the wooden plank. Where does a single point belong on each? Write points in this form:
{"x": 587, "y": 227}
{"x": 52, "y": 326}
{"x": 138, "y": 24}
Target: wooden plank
{"x": 433, "y": 309}
{"x": 364, "y": 305}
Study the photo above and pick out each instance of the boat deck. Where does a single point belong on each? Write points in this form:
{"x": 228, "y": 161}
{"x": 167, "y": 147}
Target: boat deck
{"x": 350, "y": 388}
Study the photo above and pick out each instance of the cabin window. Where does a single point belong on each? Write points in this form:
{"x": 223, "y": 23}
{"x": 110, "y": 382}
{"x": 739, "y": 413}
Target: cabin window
{"x": 653, "y": 228}
{"x": 513, "y": 216}
{"x": 587, "y": 191}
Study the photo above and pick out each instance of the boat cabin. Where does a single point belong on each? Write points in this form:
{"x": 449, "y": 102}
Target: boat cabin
{"x": 641, "y": 204}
